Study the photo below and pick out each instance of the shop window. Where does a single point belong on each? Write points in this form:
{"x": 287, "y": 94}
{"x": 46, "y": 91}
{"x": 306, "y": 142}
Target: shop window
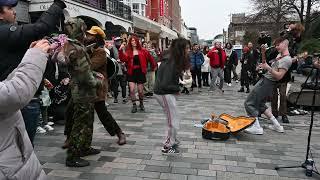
{"x": 143, "y": 10}
{"x": 135, "y": 7}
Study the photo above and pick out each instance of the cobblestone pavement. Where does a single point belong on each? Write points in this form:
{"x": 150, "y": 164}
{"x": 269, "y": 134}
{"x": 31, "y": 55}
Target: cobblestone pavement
{"x": 241, "y": 157}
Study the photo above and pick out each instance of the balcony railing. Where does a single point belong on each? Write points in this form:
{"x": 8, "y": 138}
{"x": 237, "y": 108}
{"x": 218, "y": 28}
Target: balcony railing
{"x": 110, "y": 6}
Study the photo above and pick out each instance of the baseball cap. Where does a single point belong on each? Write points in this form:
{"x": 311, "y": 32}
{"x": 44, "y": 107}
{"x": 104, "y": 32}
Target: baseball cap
{"x": 117, "y": 39}
{"x": 11, "y": 3}
{"x": 96, "y": 30}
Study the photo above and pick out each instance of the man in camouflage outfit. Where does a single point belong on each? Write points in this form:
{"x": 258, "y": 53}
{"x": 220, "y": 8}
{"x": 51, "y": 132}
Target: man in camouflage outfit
{"x": 84, "y": 83}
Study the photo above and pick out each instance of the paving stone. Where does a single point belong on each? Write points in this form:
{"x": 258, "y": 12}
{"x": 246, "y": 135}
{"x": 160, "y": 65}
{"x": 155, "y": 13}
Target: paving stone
{"x": 247, "y": 164}
{"x": 148, "y": 174}
{"x": 170, "y": 176}
{"x": 135, "y": 155}
{"x": 156, "y": 163}
{"x": 96, "y": 176}
{"x": 162, "y": 169}
{"x": 213, "y": 156}
{"x": 128, "y": 160}
{"x": 180, "y": 164}
{"x": 106, "y": 158}
{"x": 265, "y": 166}
{"x": 115, "y": 165}
{"x": 124, "y": 172}
{"x": 101, "y": 170}
{"x": 200, "y": 166}
{"x": 266, "y": 172}
{"x": 216, "y": 167}
{"x": 258, "y": 160}
{"x": 236, "y": 158}
{"x": 192, "y": 177}
{"x": 137, "y": 167}
{"x": 240, "y": 169}
{"x": 207, "y": 173}
{"x": 127, "y": 178}
{"x": 225, "y": 162}
{"x": 61, "y": 173}
{"x": 187, "y": 171}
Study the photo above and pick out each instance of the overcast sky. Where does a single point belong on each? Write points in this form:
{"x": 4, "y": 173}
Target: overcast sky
{"x": 211, "y": 16}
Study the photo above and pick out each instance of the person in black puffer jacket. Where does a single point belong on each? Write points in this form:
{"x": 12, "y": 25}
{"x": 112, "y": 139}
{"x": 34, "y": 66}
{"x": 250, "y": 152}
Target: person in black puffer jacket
{"x": 15, "y": 42}
{"x": 167, "y": 87}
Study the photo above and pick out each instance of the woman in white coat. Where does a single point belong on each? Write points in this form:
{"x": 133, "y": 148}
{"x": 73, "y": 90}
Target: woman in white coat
{"x": 17, "y": 158}
{"x": 205, "y": 68}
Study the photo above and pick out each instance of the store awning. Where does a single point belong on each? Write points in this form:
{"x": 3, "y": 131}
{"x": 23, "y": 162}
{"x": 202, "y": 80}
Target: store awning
{"x": 168, "y": 33}
{"x": 146, "y": 24}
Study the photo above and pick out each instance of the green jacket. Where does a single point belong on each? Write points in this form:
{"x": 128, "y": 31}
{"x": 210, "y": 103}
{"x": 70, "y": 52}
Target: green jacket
{"x": 84, "y": 83}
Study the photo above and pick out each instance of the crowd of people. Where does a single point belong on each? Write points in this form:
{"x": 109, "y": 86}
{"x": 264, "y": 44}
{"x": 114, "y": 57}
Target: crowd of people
{"x": 66, "y": 74}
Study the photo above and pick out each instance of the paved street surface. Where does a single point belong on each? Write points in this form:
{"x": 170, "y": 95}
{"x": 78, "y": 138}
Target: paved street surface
{"x": 241, "y": 157}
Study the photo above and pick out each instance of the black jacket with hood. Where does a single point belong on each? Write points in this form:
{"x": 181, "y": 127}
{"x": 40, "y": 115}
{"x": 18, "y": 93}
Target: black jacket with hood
{"x": 167, "y": 80}
{"x": 16, "y": 39}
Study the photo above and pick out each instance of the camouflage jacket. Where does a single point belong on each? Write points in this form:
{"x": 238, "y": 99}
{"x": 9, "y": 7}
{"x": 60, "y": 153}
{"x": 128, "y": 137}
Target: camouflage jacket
{"x": 84, "y": 82}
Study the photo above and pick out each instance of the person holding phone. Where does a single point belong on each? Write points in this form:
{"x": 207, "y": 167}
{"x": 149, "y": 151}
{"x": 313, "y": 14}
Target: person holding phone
{"x": 18, "y": 160}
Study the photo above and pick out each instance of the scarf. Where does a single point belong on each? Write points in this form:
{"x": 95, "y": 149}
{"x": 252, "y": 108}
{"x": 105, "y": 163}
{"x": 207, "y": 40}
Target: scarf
{"x": 228, "y": 52}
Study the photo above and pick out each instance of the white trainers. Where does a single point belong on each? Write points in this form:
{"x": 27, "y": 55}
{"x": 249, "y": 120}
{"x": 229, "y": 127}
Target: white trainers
{"x": 254, "y": 130}
{"x": 50, "y": 123}
{"x": 229, "y": 84}
{"x": 40, "y": 130}
{"x": 279, "y": 129}
{"x": 237, "y": 81}
{"x": 48, "y": 127}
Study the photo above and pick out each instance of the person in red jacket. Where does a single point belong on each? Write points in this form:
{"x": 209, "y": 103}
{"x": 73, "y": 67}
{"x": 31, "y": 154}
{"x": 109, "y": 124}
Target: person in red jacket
{"x": 136, "y": 58}
{"x": 217, "y": 60}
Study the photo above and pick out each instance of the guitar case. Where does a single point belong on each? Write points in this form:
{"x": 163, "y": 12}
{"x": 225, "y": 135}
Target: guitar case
{"x": 225, "y": 125}
{"x": 305, "y": 98}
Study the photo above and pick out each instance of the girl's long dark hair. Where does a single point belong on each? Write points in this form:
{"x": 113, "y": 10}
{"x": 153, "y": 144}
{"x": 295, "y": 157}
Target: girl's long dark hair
{"x": 204, "y": 51}
{"x": 178, "y": 54}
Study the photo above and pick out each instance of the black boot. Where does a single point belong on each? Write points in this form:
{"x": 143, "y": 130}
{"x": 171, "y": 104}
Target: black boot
{"x": 90, "y": 151}
{"x": 134, "y": 108}
{"x": 241, "y": 90}
{"x": 142, "y": 107}
{"x": 122, "y": 138}
{"x": 248, "y": 90}
{"x": 76, "y": 162}
{"x": 285, "y": 119}
{"x": 187, "y": 91}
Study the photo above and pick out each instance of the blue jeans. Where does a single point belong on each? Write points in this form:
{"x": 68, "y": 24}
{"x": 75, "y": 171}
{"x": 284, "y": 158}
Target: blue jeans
{"x": 31, "y": 115}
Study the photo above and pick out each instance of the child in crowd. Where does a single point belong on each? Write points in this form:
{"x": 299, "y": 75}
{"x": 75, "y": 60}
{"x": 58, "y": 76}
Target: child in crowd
{"x": 186, "y": 81}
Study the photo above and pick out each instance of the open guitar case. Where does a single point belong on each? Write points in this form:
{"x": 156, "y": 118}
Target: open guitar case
{"x": 222, "y": 127}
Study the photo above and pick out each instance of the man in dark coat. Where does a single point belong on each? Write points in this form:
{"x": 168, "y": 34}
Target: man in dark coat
{"x": 15, "y": 40}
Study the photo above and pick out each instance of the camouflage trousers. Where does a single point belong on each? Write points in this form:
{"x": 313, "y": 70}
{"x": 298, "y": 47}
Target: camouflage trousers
{"x": 104, "y": 115}
{"x": 81, "y": 128}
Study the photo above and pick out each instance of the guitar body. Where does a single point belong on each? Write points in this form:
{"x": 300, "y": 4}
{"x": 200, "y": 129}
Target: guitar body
{"x": 226, "y": 125}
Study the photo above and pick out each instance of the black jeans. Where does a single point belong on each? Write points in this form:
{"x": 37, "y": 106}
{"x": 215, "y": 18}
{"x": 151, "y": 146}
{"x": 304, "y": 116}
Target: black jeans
{"x": 115, "y": 82}
{"x": 244, "y": 78}
{"x": 227, "y": 74}
{"x": 106, "y": 118}
{"x": 196, "y": 75}
{"x": 31, "y": 115}
{"x": 205, "y": 77}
